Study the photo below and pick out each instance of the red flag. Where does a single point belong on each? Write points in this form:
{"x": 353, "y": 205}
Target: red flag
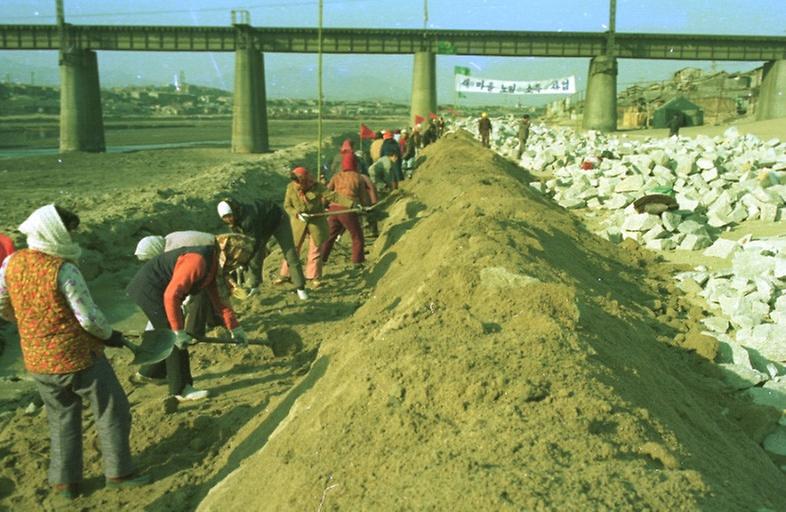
{"x": 419, "y": 119}
{"x": 432, "y": 115}
{"x": 366, "y": 132}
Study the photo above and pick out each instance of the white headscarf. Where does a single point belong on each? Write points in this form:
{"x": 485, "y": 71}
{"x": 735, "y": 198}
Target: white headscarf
{"x": 149, "y": 247}
{"x": 224, "y": 209}
{"x": 46, "y": 233}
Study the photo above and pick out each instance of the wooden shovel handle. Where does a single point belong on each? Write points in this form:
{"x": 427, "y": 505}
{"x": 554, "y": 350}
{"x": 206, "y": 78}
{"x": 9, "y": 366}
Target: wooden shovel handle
{"x": 226, "y": 341}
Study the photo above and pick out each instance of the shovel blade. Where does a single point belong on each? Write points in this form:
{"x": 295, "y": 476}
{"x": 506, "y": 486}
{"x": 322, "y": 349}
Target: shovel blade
{"x": 155, "y": 347}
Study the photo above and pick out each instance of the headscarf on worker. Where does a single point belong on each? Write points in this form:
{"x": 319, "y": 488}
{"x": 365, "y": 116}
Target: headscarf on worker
{"x": 150, "y": 247}
{"x": 303, "y": 178}
{"x": 225, "y": 208}
{"x": 346, "y": 147}
{"x": 46, "y": 232}
{"x": 234, "y": 250}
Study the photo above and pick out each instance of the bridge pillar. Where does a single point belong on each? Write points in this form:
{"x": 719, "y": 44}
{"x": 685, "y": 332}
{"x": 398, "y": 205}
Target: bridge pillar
{"x": 424, "y": 85}
{"x": 772, "y": 94}
{"x": 600, "y": 104}
{"x": 249, "y": 111}
{"x": 81, "y": 118}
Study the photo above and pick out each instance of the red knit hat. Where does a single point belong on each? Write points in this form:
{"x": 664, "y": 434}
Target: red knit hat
{"x": 388, "y": 135}
{"x": 300, "y": 172}
{"x": 347, "y": 146}
{"x": 349, "y": 163}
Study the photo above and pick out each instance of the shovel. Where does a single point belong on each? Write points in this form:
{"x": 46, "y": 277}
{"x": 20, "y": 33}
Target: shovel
{"x": 149, "y": 353}
{"x": 156, "y": 345}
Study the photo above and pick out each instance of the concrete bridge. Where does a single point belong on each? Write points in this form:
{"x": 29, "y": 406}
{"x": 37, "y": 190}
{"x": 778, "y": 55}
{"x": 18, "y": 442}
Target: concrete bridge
{"x": 81, "y": 125}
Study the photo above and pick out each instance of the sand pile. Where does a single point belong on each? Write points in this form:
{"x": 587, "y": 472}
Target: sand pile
{"x": 506, "y": 359}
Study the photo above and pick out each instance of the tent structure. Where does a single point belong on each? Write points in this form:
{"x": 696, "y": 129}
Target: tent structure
{"x": 692, "y": 114}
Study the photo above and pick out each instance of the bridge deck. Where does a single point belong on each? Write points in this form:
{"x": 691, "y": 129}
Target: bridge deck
{"x": 402, "y": 41}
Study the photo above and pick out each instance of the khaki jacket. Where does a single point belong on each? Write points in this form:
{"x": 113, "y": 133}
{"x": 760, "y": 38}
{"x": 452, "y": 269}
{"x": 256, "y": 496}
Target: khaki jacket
{"x": 313, "y": 201}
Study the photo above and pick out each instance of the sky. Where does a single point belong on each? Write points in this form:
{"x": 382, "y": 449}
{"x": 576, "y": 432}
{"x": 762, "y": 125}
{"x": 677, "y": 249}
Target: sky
{"x": 387, "y": 77}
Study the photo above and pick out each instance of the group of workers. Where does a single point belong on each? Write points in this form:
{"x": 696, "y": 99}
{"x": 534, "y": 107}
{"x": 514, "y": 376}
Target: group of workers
{"x": 184, "y": 285}
{"x": 485, "y": 128}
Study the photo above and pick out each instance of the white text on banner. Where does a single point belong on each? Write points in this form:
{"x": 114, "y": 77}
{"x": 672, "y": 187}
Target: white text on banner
{"x": 465, "y": 83}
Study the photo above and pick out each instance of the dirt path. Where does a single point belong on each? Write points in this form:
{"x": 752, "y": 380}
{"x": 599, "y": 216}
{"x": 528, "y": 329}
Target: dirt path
{"x": 120, "y": 199}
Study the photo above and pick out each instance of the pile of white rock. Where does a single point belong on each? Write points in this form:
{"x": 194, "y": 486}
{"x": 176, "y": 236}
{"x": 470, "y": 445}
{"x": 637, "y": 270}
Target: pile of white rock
{"x": 747, "y": 306}
{"x": 747, "y": 315}
{"x": 717, "y": 181}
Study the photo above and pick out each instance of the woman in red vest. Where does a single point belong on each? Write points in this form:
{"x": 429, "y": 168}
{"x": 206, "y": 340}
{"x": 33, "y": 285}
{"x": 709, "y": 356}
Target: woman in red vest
{"x": 62, "y": 334}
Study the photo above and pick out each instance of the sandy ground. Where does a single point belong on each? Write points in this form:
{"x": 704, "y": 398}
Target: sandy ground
{"x": 121, "y": 198}
{"x": 493, "y": 355}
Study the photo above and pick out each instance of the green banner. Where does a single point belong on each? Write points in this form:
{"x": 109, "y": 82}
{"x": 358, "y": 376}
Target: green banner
{"x": 445, "y": 48}
{"x": 461, "y": 70}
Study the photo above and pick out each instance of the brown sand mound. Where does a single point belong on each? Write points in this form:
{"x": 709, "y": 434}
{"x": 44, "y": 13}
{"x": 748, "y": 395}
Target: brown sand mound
{"x": 504, "y": 360}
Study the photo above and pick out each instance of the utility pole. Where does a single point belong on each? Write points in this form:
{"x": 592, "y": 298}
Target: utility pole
{"x": 611, "y": 45}
{"x": 60, "y": 12}
{"x": 61, "y": 24}
{"x": 425, "y": 14}
{"x": 319, "y": 95}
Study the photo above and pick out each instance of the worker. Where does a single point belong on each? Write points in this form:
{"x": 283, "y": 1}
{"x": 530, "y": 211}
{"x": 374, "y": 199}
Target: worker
{"x": 523, "y": 134}
{"x": 6, "y": 247}
{"x": 428, "y": 132}
{"x": 382, "y": 174}
{"x": 441, "y": 126}
{"x": 674, "y": 124}
{"x": 305, "y": 202}
{"x": 417, "y": 136}
{"x": 349, "y": 184}
{"x": 375, "y": 149}
{"x": 197, "y": 310}
{"x": 62, "y": 334}
{"x": 162, "y": 284}
{"x": 335, "y": 165}
{"x": 408, "y": 151}
{"x": 371, "y": 194}
{"x": 391, "y": 147}
{"x": 402, "y": 140}
{"x": 484, "y": 127}
{"x": 260, "y": 220}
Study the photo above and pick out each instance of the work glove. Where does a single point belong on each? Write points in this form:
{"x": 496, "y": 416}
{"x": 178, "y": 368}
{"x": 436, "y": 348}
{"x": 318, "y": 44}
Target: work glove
{"x": 239, "y": 335}
{"x": 115, "y": 340}
{"x": 241, "y": 293}
{"x": 183, "y": 340}
{"x": 303, "y": 217}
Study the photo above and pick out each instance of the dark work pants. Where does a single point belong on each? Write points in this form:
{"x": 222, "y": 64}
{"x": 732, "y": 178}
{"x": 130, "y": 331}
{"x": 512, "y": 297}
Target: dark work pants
{"x": 286, "y": 241}
{"x": 63, "y": 396}
{"x": 336, "y": 225}
{"x": 177, "y": 367}
{"x": 522, "y": 146}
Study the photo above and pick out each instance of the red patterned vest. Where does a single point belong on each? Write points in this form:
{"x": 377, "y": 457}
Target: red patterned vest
{"x": 52, "y": 340}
